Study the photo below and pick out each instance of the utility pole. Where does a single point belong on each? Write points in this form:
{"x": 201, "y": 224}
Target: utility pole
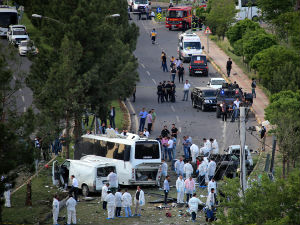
{"x": 273, "y": 154}
{"x": 242, "y": 149}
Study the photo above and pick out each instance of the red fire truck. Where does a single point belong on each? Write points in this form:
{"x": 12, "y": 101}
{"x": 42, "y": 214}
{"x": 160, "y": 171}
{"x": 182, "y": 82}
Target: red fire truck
{"x": 179, "y": 17}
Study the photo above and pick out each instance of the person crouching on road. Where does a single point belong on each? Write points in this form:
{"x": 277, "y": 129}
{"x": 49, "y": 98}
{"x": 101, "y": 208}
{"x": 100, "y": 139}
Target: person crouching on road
{"x": 193, "y": 206}
{"x": 127, "y": 202}
{"x": 71, "y": 208}
{"x": 111, "y": 204}
{"x": 139, "y": 201}
{"x": 55, "y": 209}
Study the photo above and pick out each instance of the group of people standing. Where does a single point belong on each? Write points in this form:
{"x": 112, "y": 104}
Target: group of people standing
{"x": 149, "y": 117}
{"x": 176, "y": 67}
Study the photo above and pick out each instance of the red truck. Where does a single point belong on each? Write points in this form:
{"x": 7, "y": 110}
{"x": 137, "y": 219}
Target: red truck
{"x": 179, "y": 17}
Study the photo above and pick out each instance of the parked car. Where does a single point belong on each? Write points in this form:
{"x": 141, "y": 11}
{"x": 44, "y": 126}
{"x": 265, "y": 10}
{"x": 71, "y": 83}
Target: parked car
{"x": 26, "y": 47}
{"x": 216, "y": 83}
{"x": 204, "y": 98}
{"x": 198, "y": 66}
{"x": 16, "y": 34}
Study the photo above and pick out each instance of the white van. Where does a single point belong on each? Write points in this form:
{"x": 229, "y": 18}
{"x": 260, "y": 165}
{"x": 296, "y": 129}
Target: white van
{"x": 139, "y": 5}
{"x": 91, "y": 175}
{"x": 137, "y": 160}
{"x": 189, "y": 44}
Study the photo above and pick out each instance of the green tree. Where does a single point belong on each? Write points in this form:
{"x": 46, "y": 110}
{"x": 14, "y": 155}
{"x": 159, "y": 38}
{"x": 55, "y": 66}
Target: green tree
{"x": 237, "y": 31}
{"x": 256, "y": 41}
{"x": 265, "y": 202}
{"x": 284, "y": 112}
{"x": 15, "y": 129}
{"x": 271, "y": 63}
{"x": 221, "y": 14}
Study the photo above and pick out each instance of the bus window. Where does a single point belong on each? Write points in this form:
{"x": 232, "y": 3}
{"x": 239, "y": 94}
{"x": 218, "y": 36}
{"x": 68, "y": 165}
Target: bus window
{"x": 127, "y": 153}
{"x": 146, "y": 150}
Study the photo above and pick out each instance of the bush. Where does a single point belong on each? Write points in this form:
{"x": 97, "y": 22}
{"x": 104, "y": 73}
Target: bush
{"x": 237, "y": 31}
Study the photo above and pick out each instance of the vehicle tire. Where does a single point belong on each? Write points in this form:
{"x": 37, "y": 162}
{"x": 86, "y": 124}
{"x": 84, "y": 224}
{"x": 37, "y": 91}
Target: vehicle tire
{"x": 218, "y": 112}
{"x": 193, "y": 104}
{"x": 170, "y": 28}
{"x": 85, "y": 190}
{"x": 203, "y": 108}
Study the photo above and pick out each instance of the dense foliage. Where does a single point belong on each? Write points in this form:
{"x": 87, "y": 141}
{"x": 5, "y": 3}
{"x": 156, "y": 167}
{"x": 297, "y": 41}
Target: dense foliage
{"x": 268, "y": 202}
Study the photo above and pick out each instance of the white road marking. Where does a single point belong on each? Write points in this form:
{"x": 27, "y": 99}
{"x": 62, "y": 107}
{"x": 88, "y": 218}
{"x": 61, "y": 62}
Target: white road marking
{"x": 14, "y": 77}
{"x": 20, "y": 89}
{"x": 224, "y": 135}
{"x": 23, "y": 98}
{"x": 172, "y": 107}
{"x": 143, "y": 65}
{"x": 24, "y": 109}
{"x": 177, "y": 118}
{"x": 135, "y": 117}
{"x": 179, "y": 129}
{"x": 148, "y": 73}
{"x": 178, "y": 142}
{"x": 154, "y": 81}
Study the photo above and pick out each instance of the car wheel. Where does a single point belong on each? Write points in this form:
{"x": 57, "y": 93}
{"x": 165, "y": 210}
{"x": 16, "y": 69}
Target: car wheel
{"x": 203, "y": 108}
{"x": 85, "y": 190}
{"x": 170, "y": 28}
{"x": 193, "y": 104}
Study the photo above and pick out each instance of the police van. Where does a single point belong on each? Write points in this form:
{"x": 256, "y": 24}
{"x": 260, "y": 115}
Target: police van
{"x": 137, "y": 160}
{"x": 189, "y": 44}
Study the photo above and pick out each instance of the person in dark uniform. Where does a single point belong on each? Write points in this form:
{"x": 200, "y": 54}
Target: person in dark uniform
{"x": 160, "y": 93}
{"x": 168, "y": 91}
{"x": 228, "y": 66}
{"x": 173, "y": 91}
{"x": 164, "y": 92}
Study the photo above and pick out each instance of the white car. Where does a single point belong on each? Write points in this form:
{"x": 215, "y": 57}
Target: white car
{"x": 16, "y": 34}
{"x": 26, "y": 47}
{"x": 216, "y": 83}
{"x": 235, "y": 150}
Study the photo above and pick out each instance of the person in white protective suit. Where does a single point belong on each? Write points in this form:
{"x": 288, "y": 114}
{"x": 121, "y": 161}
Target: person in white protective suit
{"x": 179, "y": 164}
{"x": 139, "y": 200}
{"x": 118, "y": 196}
{"x": 113, "y": 181}
{"x": 180, "y": 189}
{"x": 195, "y": 152}
{"x": 211, "y": 169}
{"x": 55, "y": 209}
{"x": 193, "y": 206}
{"x": 210, "y": 204}
{"x": 127, "y": 203}
{"x": 212, "y": 184}
{"x": 202, "y": 168}
{"x": 205, "y": 159}
{"x": 71, "y": 209}
{"x": 104, "y": 194}
{"x": 188, "y": 170}
{"x": 214, "y": 147}
{"x": 7, "y": 195}
{"x": 111, "y": 205}
{"x": 205, "y": 150}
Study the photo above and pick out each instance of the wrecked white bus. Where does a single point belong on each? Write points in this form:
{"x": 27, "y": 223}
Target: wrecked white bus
{"x": 137, "y": 160}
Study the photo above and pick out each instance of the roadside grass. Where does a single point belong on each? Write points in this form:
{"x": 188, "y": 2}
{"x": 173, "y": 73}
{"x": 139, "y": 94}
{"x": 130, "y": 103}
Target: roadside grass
{"x": 42, "y": 197}
{"x": 91, "y": 212}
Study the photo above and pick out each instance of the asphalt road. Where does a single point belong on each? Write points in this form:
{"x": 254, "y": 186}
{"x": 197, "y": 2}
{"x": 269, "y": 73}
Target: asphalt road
{"x": 20, "y": 66}
{"x": 188, "y": 120}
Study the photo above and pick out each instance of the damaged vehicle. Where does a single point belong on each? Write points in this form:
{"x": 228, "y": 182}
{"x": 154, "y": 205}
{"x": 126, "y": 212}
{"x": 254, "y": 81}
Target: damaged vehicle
{"x": 137, "y": 160}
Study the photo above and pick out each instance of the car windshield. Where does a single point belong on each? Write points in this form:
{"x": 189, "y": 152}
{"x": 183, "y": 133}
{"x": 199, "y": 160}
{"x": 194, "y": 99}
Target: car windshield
{"x": 8, "y": 18}
{"x": 192, "y": 45}
{"x": 199, "y": 60}
{"x": 19, "y": 32}
{"x": 146, "y": 150}
{"x": 211, "y": 93}
{"x": 23, "y": 44}
{"x": 141, "y": 1}
{"x": 175, "y": 14}
{"x": 217, "y": 82}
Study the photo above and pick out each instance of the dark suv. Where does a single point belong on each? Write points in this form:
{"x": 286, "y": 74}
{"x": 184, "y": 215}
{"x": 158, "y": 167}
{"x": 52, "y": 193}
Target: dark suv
{"x": 204, "y": 98}
{"x": 198, "y": 66}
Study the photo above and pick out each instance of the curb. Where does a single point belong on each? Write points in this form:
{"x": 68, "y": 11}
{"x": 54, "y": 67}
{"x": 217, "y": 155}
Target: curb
{"x": 229, "y": 81}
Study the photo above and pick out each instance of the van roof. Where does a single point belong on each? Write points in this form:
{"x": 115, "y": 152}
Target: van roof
{"x": 91, "y": 163}
{"x": 129, "y": 139}
{"x": 5, "y": 8}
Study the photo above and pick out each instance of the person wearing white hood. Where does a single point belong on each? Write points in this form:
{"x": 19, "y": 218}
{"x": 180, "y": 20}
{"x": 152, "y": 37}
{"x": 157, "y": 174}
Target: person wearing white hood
{"x": 118, "y": 196}
{"x": 212, "y": 185}
{"x": 211, "y": 169}
{"x": 111, "y": 204}
{"x": 180, "y": 189}
{"x": 113, "y": 181}
{"x": 202, "y": 172}
{"x": 193, "y": 206}
{"x": 71, "y": 209}
{"x": 55, "y": 209}
{"x": 188, "y": 170}
{"x": 205, "y": 150}
{"x": 194, "y": 152}
{"x": 104, "y": 194}
{"x": 215, "y": 147}
{"x": 127, "y": 202}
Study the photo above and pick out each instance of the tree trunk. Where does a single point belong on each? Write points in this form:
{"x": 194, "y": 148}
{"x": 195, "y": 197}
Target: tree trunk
{"x": 67, "y": 135}
{"x": 28, "y": 201}
{"x": 77, "y": 128}
{"x": 283, "y": 166}
{"x": 287, "y": 167}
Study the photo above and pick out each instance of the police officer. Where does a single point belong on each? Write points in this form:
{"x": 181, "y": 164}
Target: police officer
{"x": 160, "y": 93}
